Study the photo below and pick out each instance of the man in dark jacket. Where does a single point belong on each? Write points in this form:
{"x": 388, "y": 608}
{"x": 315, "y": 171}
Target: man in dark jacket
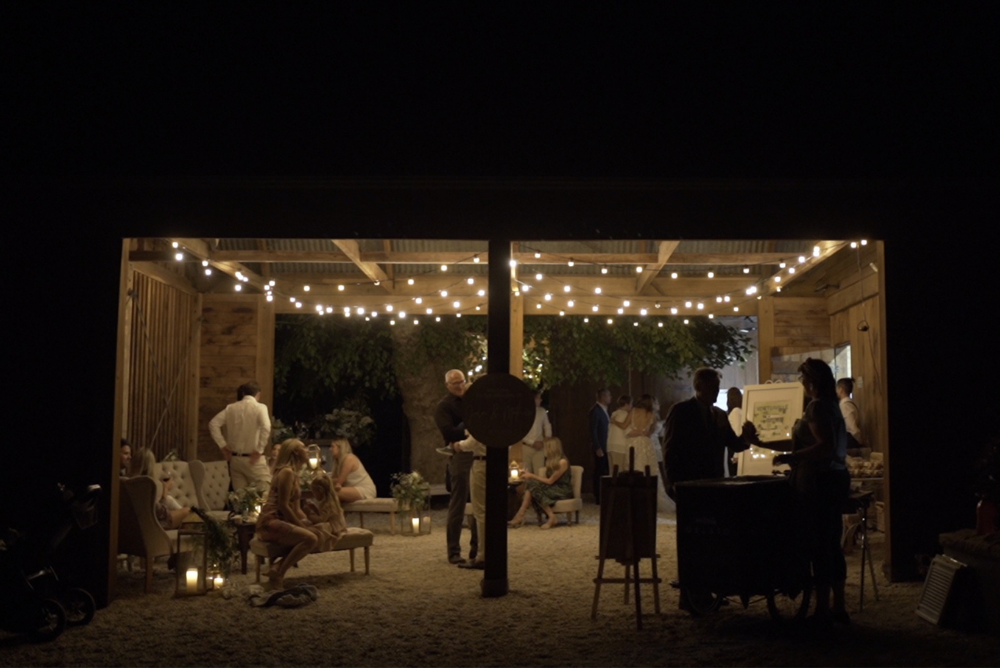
{"x": 599, "y": 438}
{"x": 450, "y": 420}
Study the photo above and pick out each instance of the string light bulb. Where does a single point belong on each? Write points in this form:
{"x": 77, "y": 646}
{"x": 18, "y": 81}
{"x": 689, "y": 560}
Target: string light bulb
{"x": 746, "y": 269}
{"x": 179, "y": 256}
{"x": 340, "y": 287}
{"x": 444, "y": 267}
{"x": 409, "y": 281}
{"x": 597, "y": 291}
{"x": 570, "y": 303}
{"x": 565, "y": 288}
{"x": 306, "y": 288}
{"x": 604, "y": 269}
{"x": 513, "y": 263}
{"x": 475, "y": 258}
{"x": 711, "y": 274}
{"x": 673, "y": 274}
{"x": 175, "y": 244}
{"x": 238, "y": 287}
{"x": 638, "y": 269}
{"x": 470, "y": 280}
{"x": 538, "y": 276}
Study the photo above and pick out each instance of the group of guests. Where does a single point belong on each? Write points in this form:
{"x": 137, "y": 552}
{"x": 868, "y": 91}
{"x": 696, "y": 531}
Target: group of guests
{"x": 141, "y": 461}
{"x": 546, "y": 472}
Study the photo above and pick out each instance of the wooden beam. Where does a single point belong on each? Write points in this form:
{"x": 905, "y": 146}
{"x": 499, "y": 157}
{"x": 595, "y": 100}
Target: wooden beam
{"x": 524, "y": 258}
{"x": 650, "y": 271}
{"x": 200, "y": 249}
{"x": 164, "y": 275}
{"x": 826, "y": 249}
{"x": 370, "y": 269}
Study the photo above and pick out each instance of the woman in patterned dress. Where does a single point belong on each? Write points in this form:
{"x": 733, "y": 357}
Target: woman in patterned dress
{"x": 544, "y": 491}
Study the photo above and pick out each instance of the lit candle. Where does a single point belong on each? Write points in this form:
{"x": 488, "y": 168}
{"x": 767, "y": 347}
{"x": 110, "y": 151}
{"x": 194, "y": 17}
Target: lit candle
{"x": 514, "y": 474}
{"x": 313, "y": 462}
{"x": 217, "y": 581}
{"x": 416, "y": 525}
{"x": 192, "y": 579}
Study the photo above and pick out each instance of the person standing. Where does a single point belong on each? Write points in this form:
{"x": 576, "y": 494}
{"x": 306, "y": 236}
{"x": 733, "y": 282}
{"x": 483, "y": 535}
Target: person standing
{"x": 617, "y": 446}
{"x": 248, "y": 430}
{"x": 734, "y": 406}
{"x": 697, "y": 434}
{"x": 450, "y": 420}
{"x": 534, "y": 440}
{"x": 852, "y": 418}
{"x": 599, "y": 420}
{"x": 477, "y": 489}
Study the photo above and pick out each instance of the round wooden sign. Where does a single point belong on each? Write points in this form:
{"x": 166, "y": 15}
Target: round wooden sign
{"x": 499, "y": 409}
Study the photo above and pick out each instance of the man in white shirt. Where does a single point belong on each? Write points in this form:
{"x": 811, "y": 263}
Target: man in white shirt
{"x": 532, "y": 444}
{"x": 248, "y": 429}
{"x": 852, "y": 416}
{"x": 477, "y": 493}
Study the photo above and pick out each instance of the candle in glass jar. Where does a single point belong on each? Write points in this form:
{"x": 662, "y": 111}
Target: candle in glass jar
{"x": 416, "y": 525}
{"x": 217, "y": 581}
{"x": 514, "y": 474}
{"x": 192, "y": 579}
{"x": 313, "y": 462}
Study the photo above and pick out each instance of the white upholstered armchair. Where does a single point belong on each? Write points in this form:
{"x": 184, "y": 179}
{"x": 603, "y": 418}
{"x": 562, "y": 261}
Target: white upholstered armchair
{"x": 211, "y": 480}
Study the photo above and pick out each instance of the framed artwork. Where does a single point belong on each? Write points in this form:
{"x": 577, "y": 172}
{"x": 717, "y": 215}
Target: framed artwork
{"x": 773, "y": 408}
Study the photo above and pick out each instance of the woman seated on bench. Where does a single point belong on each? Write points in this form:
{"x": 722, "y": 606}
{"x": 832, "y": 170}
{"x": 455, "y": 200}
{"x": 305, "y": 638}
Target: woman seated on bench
{"x": 325, "y": 513}
{"x": 545, "y": 491}
{"x": 282, "y": 520}
{"x": 350, "y": 478}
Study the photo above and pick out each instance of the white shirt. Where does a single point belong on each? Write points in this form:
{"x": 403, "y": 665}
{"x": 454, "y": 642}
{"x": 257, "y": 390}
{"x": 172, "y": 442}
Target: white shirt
{"x": 470, "y": 444}
{"x": 736, "y": 420}
{"x": 852, "y": 419}
{"x": 541, "y": 429}
{"x": 616, "y": 435}
{"x": 248, "y": 426}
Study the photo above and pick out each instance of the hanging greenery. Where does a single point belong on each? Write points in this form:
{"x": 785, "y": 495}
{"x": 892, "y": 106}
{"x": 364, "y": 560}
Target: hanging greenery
{"x": 566, "y": 350}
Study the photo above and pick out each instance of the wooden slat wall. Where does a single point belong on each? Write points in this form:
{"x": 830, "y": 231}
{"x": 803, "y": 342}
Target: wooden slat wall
{"x": 789, "y": 325}
{"x": 237, "y": 346}
{"x": 162, "y": 347}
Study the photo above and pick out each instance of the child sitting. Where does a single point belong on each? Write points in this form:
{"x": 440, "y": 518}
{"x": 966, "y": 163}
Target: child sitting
{"x": 325, "y": 513}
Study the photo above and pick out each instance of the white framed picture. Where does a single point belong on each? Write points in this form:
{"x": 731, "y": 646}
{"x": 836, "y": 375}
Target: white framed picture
{"x": 773, "y": 408}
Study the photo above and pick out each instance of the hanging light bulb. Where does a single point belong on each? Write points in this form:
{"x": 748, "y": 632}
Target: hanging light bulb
{"x": 538, "y": 305}
{"x": 777, "y": 279}
{"x": 513, "y": 263}
{"x": 208, "y": 271}
{"x": 388, "y": 307}
{"x": 419, "y": 300}
{"x": 238, "y": 287}
{"x": 548, "y": 297}
{"x": 340, "y": 287}
{"x": 270, "y": 298}
{"x": 718, "y": 299}
{"x": 687, "y": 304}
{"x": 444, "y": 293}
{"x": 726, "y": 298}
{"x": 175, "y": 244}
{"x": 802, "y": 258}
{"x": 402, "y": 314}
{"x": 329, "y": 309}
{"x": 854, "y": 244}
{"x": 621, "y": 311}
{"x": 746, "y": 269}
{"x": 444, "y": 267}
{"x": 537, "y": 255}
{"x": 456, "y": 304}
{"x": 604, "y": 269}
{"x": 565, "y": 288}
{"x": 538, "y": 276}
{"x": 642, "y": 311}
{"x": 638, "y": 269}
{"x": 594, "y": 308}
{"x": 701, "y": 306}
{"x": 475, "y": 258}
{"x": 864, "y": 242}
{"x": 470, "y": 280}
{"x": 570, "y": 303}
{"x": 570, "y": 263}
{"x": 597, "y": 291}
{"x": 271, "y": 282}
{"x": 711, "y": 317}
{"x": 481, "y": 293}
{"x": 610, "y": 321}
{"x": 815, "y": 251}
{"x": 562, "y": 312}
{"x": 179, "y": 256}
{"x": 429, "y": 310}
{"x": 673, "y": 310}
{"x": 291, "y": 299}
{"x": 409, "y": 281}
{"x": 673, "y": 274}
{"x": 791, "y": 270}
{"x": 298, "y": 304}
{"x": 361, "y": 310}
{"x": 306, "y": 288}
{"x": 659, "y": 324}
{"x": 204, "y": 263}
{"x": 711, "y": 274}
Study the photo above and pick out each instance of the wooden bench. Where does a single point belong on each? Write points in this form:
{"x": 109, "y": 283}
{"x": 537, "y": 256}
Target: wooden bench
{"x": 373, "y": 506}
{"x": 352, "y": 540}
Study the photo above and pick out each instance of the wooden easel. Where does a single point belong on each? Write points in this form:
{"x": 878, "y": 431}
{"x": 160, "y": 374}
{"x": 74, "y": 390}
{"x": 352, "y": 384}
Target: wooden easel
{"x": 628, "y": 532}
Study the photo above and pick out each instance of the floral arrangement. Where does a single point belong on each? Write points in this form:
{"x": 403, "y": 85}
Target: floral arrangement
{"x": 220, "y": 543}
{"x": 244, "y": 501}
{"x": 410, "y": 490}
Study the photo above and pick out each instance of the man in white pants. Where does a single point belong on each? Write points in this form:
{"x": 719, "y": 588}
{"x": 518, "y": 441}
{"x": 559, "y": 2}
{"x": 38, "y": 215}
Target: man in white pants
{"x": 248, "y": 429}
{"x": 477, "y": 491}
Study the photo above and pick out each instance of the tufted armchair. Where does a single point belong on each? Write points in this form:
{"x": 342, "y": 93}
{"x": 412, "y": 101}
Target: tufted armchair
{"x": 574, "y": 505}
{"x": 139, "y": 533}
{"x": 211, "y": 480}
{"x": 185, "y": 489}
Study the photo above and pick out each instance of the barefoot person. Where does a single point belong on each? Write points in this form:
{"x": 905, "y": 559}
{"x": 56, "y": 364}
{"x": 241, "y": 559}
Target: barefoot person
{"x": 545, "y": 490}
{"x": 282, "y": 520}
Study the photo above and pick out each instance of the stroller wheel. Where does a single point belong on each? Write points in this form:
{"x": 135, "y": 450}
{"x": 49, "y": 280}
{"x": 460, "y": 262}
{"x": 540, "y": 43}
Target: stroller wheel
{"x": 79, "y": 606}
{"x": 53, "y": 624}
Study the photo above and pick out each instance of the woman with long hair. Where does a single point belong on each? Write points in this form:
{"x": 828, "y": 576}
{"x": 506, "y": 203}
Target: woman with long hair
{"x": 642, "y": 422}
{"x": 350, "y": 478}
{"x": 282, "y": 520}
{"x": 545, "y": 490}
{"x": 819, "y": 476}
{"x": 325, "y": 513}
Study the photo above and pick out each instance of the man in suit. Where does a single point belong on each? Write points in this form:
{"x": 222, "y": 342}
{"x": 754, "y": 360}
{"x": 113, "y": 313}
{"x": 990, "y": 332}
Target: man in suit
{"x": 697, "y": 434}
{"x": 599, "y": 438}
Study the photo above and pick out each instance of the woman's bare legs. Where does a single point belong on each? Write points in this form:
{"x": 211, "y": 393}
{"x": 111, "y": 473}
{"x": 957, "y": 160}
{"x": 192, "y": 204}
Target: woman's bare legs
{"x": 518, "y": 519}
{"x": 552, "y": 517}
{"x": 349, "y": 494}
{"x": 302, "y": 541}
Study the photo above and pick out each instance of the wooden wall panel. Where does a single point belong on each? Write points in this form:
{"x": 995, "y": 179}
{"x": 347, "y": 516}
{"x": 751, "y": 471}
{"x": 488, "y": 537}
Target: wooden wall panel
{"x": 866, "y": 364}
{"x": 237, "y": 346}
{"x": 158, "y": 378}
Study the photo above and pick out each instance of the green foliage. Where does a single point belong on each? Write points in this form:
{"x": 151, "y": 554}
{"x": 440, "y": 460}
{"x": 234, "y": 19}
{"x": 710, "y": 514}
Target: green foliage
{"x": 566, "y": 350}
{"x": 220, "y": 542}
{"x": 410, "y": 490}
{"x": 356, "y": 426}
{"x": 320, "y": 355}
{"x": 453, "y": 343}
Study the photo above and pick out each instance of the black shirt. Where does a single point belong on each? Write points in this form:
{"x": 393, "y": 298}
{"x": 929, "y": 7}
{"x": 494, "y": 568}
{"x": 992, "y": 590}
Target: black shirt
{"x": 449, "y": 418}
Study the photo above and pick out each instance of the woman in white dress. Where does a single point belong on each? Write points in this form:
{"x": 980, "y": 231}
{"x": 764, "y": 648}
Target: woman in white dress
{"x": 351, "y": 480}
{"x": 643, "y": 420}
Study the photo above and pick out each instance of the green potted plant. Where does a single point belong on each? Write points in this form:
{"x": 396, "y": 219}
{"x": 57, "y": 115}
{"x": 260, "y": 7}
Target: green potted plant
{"x": 220, "y": 543}
{"x": 412, "y": 494}
{"x": 246, "y": 501}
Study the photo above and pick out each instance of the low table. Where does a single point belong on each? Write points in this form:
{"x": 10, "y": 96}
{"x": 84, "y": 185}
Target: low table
{"x": 244, "y": 534}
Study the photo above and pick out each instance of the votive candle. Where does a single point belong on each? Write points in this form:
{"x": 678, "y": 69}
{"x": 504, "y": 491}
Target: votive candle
{"x": 192, "y": 579}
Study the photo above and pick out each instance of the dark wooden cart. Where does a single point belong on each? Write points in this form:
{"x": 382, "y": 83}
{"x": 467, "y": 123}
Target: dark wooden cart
{"x": 742, "y": 537}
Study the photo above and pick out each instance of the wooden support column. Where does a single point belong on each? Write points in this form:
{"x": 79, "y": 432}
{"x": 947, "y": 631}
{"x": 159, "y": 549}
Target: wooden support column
{"x": 765, "y": 338}
{"x": 194, "y": 382}
{"x": 499, "y": 360}
{"x": 265, "y": 351}
{"x": 121, "y": 377}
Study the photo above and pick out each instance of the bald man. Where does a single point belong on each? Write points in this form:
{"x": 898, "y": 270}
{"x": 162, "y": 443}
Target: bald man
{"x": 450, "y": 419}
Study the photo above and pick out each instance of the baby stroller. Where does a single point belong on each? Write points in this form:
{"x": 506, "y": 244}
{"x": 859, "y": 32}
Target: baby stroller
{"x": 35, "y": 601}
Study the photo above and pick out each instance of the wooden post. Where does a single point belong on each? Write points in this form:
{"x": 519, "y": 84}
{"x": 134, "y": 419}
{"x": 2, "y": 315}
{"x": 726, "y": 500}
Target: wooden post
{"x": 265, "y": 352}
{"x": 194, "y": 381}
{"x": 121, "y": 366}
{"x": 499, "y": 359}
{"x": 765, "y": 339}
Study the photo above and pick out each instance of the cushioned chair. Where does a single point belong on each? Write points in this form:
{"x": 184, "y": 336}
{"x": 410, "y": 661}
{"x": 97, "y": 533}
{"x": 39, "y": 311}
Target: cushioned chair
{"x": 139, "y": 534}
{"x": 352, "y": 540}
{"x": 378, "y": 505}
{"x": 185, "y": 490}
{"x": 574, "y": 505}
{"x": 211, "y": 480}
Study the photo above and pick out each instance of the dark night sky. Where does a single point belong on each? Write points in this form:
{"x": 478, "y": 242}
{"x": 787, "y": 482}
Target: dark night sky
{"x": 467, "y": 90}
